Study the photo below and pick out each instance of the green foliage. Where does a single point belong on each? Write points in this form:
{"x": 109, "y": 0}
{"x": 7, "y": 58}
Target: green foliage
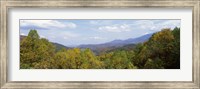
{"x": 161, "y": 51}
{"x": 33, "y": 34}
{"x": 35, "y": 52}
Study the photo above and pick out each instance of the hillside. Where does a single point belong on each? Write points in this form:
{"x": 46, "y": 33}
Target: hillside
{"x": 118, "y": 43}
{"x": 106, "y": 47}
{"x": 115, "y": 44}
{"x": 160, "y": 51}
{"x": 57, "y": 45}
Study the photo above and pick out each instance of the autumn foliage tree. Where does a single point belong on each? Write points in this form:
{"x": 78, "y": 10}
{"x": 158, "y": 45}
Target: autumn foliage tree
{"x": 35, "y": 52}
{"x": 161, "y": 51}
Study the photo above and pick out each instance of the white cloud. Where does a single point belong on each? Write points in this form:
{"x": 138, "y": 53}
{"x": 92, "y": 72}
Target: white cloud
{"x": 67, "y": 35}
{"x": 47, "y": 24}
{"x": 144, "y": 24}
{"x": 97, "y": 38}
{"x": 170, "y": 23}
{"x": 115, "y": 28}
{"x": 60, "y": 34}
{"x": 166, "y": 24}
{"x": 42, "y": 36}
{"x": 65, "y": 38}
{"x": 52, "y": 37}
{"x": 100, "y": 22}
{"x": 22, "y": 34}
{"x": 152, "y": 26}
{"x": 146, "y": 33}
{"x": 94, "y": 22}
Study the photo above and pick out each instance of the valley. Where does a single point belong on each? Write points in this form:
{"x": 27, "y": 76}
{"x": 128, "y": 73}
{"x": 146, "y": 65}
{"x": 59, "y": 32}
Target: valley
{"x": 160, "y": 50}
{"x": 106, "y": 47}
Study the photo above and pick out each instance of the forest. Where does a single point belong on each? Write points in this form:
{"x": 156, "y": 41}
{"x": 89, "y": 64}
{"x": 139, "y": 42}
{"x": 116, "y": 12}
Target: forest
{"x": 160, "y": 51}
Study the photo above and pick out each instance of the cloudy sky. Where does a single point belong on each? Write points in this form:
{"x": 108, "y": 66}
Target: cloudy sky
{"x": 76, "y": 32}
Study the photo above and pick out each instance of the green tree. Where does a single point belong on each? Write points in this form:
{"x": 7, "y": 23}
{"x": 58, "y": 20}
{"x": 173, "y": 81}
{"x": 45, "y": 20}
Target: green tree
{"x": 162, "y": 50}
{"x": 90, "y": 60}
{"x": 174, "y": 55}
{"x": 35, "y": 52}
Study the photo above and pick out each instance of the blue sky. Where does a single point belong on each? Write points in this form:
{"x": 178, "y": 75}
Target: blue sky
{"x": 76, "y": 32}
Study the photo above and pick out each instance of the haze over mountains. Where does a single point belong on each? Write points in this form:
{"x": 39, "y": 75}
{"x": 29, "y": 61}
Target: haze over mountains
{"x": 118, "y": 43}
{"x": 99, "y": 43}
{"x": 108, "y": 46}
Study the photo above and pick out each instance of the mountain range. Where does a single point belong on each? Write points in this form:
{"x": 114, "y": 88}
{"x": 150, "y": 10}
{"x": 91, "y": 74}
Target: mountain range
{"x": 118, "y": 43}
{"x": 108, "y": 46}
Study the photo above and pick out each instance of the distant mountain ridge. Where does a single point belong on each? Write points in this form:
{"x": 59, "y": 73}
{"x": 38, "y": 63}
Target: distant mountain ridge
{"x": 118, "y": 43}
{"x": 105, "y": 47}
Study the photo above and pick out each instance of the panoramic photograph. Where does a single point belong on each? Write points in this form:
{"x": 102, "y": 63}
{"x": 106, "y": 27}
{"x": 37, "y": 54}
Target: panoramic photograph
{"x": 100, "y": 43}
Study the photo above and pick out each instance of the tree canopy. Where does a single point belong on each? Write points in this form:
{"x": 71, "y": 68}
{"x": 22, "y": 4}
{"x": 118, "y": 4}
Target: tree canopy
{"x": 161, "y": 51}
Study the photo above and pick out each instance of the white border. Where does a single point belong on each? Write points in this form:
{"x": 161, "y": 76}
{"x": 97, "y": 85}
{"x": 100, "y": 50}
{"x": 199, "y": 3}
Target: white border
{"x": 183, "y": 74}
